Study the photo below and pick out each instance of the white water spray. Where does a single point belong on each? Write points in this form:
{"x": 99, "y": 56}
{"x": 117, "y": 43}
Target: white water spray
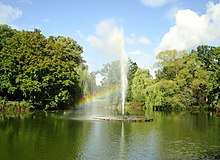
{"x": 124, "y": 71}
{"x": 110, "y": 40}
{"x": 124, "y": 81}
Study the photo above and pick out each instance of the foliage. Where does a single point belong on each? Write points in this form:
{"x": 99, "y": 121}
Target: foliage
{"x": 210, "y": 59}
{"x": 183, "y": 80}
{"x": 111, "y": 78}
{"x": 196, "y": 77}
{"x": 131, "y": 74}
{"x": 5, "y": 33}
{"x": 24, "y": 104}
{"x": 43, "y": 71}
{"x": 50, "y": 73}
{"x": 169, "y": 63}
{"x": 141, "y": 80}
{"x": 111, "y": 74}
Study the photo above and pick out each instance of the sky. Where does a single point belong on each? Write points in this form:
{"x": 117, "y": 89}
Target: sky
{"x": 140, "y": 28}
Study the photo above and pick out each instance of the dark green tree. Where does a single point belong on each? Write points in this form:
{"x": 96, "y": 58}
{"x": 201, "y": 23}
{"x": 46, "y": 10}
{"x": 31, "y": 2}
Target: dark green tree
{"x": 111, "y": 74}
{"x": 168, "y": 64}
{"x": 5, "y": 33}
{"x": 162, "y": 95}
{"x": 133, "y": 67}
{"x": 43, "y": 71}
{"x": 111, "y": 78}
{"x": 141, "y": 80}
{"x": 191, "y": 79}
{"x": 210, "y": 59}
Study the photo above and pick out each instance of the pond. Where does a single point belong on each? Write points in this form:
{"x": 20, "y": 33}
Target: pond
{"x": 52, "y": 136}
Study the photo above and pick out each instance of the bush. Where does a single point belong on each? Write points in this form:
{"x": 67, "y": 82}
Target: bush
{"x": 25, "y": 104}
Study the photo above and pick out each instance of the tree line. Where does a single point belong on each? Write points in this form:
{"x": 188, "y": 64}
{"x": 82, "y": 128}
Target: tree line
{"x": 182, "y": 80}
{"x": 48, "y": 73}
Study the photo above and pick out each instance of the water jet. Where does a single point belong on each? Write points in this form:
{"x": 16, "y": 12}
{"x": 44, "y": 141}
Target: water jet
{"x": 99, "y": 103}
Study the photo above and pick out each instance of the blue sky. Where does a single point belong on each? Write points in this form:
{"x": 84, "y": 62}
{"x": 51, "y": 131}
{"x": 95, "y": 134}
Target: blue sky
{"x": 141, "y": 28}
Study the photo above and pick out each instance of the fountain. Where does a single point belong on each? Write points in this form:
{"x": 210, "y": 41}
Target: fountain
{"x": 124, "y": 82}
{"x": 124, "y": 79}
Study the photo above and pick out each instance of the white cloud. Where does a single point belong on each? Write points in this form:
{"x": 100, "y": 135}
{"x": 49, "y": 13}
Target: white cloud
{"x": 108, "y": 39}
{"x": 144, "y": 40}
{"x": 171, "y": 12}
{"x": 191, "y": 29}
{"x": 8, "y": 13}
{"x": 133, "y": 40}
{"x": 154, "y": 3}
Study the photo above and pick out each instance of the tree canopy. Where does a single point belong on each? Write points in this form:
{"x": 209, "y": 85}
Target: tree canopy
{"x": 185, "y": 80}
{"x": 43, "y": 71}
{"x": 50, "y": 73}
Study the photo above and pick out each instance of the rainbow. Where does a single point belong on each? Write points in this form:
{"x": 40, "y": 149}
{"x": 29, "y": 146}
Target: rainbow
{"x": 82, "y": 102}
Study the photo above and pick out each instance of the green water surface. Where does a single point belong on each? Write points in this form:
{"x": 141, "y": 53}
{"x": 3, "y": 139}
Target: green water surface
{"x": 43, "y": 136}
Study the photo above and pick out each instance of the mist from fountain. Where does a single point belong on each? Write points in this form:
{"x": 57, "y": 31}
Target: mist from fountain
{"x": 124, "y": 80}
{"x": 124, "y": 69}
{"x": 113, "y": 47}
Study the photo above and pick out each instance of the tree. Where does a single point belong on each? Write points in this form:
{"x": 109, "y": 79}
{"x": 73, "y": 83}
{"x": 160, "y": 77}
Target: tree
{"x": 186, "y": 78}
{"x": 154, "y": 96}
{"x": 5, "y": 33}
{"x": 42, "y": 71}
{"x": 168, "y": 64}
{"x": 131, "y": 74}
{"x": 92, "y": 87}
{"x": 187, "y": 73}
{"x": 111, "y": 78}
{"x": 71, "y": 51}
{"x": 162, "y": 95}
{"x": 141, "y": 80}
{"x": 111, "y": 74}
{"x": 19, "y": 56}
{"x": 210, "y": 59}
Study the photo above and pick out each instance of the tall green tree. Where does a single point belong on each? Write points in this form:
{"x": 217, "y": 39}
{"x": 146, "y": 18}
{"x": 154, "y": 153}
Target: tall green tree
{"x": 162, "y": 95}
{"x": 91, "y": 84}
{"x": 210, "y": 59}
{"x": 133, "y": 67}
{"x": 19, "y": 56}
{"x": 141, "y": 80}
{"x": 190, "y": 78}
{"x": 111, "y": 78}
{"x": 168, "y": 64}
{"x": 111, "y": 74}
{"x": 40, "y": 70}
{"x": 5, "y": 33}
{"x": 192, "y": 81}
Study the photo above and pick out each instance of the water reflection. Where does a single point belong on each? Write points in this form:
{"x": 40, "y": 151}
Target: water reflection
{"x": 122, "y": 142}
{"x": 40, "y": 136}
{"x": 49, "y": 136}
